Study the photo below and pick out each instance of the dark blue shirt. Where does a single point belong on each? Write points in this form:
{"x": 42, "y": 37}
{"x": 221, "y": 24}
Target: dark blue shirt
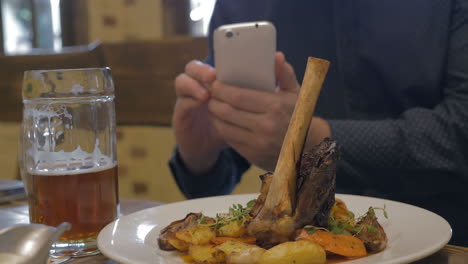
{"x": 396, "y": 96}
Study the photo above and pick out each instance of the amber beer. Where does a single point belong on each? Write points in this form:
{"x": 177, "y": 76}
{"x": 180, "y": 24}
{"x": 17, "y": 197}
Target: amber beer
{"x": 86, "y": 198}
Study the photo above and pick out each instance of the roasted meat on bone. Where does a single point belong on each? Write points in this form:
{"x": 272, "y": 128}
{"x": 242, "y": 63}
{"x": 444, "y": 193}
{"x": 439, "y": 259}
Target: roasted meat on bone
{"x": 314, "y": 199}
{"x": 274, "y": 221}
{"x": 316, "y": 185}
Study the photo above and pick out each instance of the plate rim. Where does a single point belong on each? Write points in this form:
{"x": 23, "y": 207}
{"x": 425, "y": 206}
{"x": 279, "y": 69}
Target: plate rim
{"x": 403, "y": 259}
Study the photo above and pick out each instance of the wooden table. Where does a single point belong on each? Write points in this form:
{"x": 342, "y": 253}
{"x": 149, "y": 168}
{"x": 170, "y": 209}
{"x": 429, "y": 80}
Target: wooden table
{"x": 17, "y": 213}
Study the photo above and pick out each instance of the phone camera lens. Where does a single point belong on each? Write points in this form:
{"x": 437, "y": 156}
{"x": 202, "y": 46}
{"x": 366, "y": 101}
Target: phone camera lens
{"x": 229, "y": 34}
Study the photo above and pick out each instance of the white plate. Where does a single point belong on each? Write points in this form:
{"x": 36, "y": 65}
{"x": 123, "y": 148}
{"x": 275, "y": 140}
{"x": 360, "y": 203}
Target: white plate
{"x": 413, "y": 233}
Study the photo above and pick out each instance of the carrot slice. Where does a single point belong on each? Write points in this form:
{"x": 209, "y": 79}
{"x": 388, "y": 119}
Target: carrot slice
{"x": 221, "y": 240}
{"x": 342, "y": 245}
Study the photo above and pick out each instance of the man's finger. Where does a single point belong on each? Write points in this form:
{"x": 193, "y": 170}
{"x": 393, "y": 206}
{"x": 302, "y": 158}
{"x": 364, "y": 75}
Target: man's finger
{"x": 231, "y": 133}
{"x": 200, "y": 71}
{"x": 185, "y": 105}
{"x": 189, "y": 87}
{"x": 227, "y": 113}
{"x": 242, "y": 98}
{"x": 279, "y": 62}
{"x": 285, "y": 74}
{"x": 236, "y": 137}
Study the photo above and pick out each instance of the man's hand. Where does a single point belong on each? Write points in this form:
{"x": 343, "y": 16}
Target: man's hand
{"x": 199, "y": 143}
{"x": 318, "y": 131}
{"x": 253, "y": 122}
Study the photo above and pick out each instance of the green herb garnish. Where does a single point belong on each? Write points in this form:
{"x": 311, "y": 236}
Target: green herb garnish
{"x": 349, "y": 226}
{"x": 202, "y": 220}
{"x": 237, "y": 213}
{"x": 371, "y": 229}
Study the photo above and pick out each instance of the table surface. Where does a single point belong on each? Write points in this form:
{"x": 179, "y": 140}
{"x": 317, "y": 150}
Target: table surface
{"x": 17, "y": 213}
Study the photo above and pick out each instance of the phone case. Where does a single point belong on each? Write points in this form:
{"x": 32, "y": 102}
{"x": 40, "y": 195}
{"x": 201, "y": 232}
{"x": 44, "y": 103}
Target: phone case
{"x": 245, "y": 55}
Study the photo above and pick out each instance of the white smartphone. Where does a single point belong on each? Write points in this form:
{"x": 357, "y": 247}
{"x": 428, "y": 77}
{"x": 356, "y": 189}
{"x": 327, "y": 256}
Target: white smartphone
{"x": 244, "y": 55}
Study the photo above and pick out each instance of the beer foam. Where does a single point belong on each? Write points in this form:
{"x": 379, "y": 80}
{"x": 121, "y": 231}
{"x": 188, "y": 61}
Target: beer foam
{"x": 63, "y": 171}
{"x": 68, "y": 163}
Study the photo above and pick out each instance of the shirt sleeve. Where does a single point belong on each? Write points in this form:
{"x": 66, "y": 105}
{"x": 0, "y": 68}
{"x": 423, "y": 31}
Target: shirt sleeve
{"x": 220, "y": 180}
{"x": 422, "y": 145}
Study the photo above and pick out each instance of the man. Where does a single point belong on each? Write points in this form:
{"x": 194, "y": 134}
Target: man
{"x": 395, "y": 99}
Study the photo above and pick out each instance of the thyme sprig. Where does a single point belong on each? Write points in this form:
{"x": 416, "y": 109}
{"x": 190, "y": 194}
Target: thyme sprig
{"x": 237, "y": 213}
{"x": 383, "y": 209}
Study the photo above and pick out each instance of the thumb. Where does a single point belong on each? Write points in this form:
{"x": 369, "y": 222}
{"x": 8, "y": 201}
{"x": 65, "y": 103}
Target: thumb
{"x": 285, "y": 74}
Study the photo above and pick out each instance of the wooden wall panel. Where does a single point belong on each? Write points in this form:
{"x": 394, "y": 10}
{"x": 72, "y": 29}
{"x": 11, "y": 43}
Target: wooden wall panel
{"x": 176, "y": 17}
{"x": 85, "y": 21}
{"x": 144, "y": 76}
{"x": 143, "y": 73}
{"x": 13, "y": 67}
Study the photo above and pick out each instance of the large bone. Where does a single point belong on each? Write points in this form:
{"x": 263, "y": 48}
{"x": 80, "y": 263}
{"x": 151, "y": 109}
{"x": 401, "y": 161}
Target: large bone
{"x": 274, "y": 224}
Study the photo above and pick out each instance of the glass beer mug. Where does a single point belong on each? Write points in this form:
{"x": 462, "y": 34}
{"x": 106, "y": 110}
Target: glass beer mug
{"x": 68, "y": 154}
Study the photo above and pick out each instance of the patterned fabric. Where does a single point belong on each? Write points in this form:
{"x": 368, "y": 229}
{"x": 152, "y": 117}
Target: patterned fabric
{"x": 398, "y": 103}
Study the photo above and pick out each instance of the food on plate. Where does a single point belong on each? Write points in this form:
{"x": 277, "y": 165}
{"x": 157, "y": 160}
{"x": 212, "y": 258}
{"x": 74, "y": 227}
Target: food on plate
{"x": 294, "y": 252}
{"x": 371, "y": 232}
{"x": 343, "y": 245}
{"x": 319, "y": 225}
{"x": 206, "y": 254}
{"x": 245, "y": 240}
{"x": 168, "y": 233}
{"x": 196, "y": 235}
{"x": 295, "y": 219}
{"x": 239, "y": 253}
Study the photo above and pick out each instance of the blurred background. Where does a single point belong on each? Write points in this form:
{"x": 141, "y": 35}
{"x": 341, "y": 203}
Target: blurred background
{"x": 145, "y": 42}
{"x": 54, "y": 24}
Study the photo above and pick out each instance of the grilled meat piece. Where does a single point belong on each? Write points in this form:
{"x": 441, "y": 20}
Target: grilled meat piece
{"x": 371, "y": 232}
{"x": 316, "y": 185}
{"x": 315, "y": 196}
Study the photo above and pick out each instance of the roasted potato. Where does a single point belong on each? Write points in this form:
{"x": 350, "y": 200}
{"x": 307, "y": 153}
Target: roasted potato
{"x": 297, "y": 252}
{"x": 222, "y": 240}
{"x": 241, "y": 253}
{"x": 206, "y": 254}
{"x": 233, "y": 229}
{"x": 179, "y": 244}
{"x": 197, "y": 235}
